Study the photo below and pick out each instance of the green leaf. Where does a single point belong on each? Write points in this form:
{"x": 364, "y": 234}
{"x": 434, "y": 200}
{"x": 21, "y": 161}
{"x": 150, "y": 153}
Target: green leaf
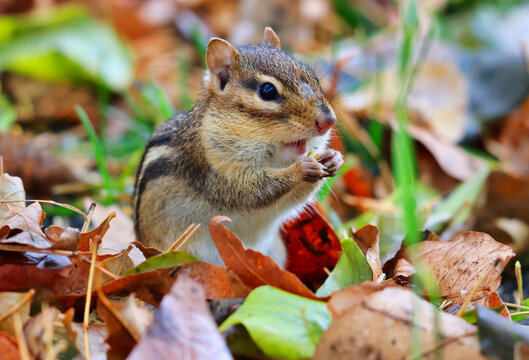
{"x": 352, "y": 269}
{"x": 518, "y": 318}
{"x": 66, "y": 46}
{"x": 8, "y": 115}
{"x": 458, "y": 205}
{"x": 283, "y": 325}
{"x": 161, "y": 261}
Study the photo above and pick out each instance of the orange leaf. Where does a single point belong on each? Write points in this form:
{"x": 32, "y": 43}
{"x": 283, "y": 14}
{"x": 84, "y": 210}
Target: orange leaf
{"x": 254, "y": 268}
{"x": 84, "y": 241}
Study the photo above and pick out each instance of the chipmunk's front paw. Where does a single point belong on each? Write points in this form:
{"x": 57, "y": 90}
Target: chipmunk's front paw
{"x": 312, "y": 170}
{"x": 332, "y": 161}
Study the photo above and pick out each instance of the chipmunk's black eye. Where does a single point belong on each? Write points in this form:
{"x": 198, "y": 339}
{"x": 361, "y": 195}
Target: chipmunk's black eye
{"x": 268, "y": 91}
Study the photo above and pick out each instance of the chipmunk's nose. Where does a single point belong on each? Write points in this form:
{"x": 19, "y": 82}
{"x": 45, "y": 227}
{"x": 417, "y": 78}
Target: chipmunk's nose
{"x": 325, "y": 119}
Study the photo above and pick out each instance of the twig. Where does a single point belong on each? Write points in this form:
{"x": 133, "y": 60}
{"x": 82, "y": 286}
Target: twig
{"x": 186, "y": 231}
{"x": 25, "y": 248}
{"x": 125, "y": 255}
{"x": 88, "y": 218}
{"x": 473, "y": 292}
{"x": 516, "y": 305}
{"x": 66, "y": 206}
{"x": 48, "y": 331}
{"x": 1, "y": 165}
{"x": 520, "y": 313}
{"x": 102, "y": 269}
{"x": 21, "y": 338}
{"x": 93, "y": 244}
{"x": 519, "y": 280}
{"x": 189, "y": 236}
{"x": 327, "y": 271}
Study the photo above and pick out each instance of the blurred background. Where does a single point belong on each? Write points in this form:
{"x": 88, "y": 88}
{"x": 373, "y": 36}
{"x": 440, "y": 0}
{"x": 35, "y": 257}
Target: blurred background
{"x": 84, "y": 83}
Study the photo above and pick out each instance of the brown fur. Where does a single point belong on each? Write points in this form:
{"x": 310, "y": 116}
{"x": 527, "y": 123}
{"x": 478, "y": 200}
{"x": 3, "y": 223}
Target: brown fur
{"x": 222, "y": 157}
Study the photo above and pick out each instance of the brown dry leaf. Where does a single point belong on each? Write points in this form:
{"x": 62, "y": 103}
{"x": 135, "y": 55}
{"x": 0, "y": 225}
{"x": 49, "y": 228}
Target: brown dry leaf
{"x": 378, "y": 327}
{"x": 28, "y": 220}
{"x": 345, "y": 299}
{"x": 505, "y": 212}
{"x": 494, "y": 301}
{"x": 460, "y": 264}
{"x": 512, "y": 147}
{"x": 134, "y": 314}
{"x": 121, "y": 233}
{"x": 254, "y": 268}
{"x": 455, "y": 161}
{"x": 403, "y": 272}
{"x": 183, "y": 328}
{"x": 8, "y": 347}
{"x": 64, "y": 239}
{"x": 367, "y": 240}
{"x": 22, "y": 271}
{"x": 127, "y": 320}
{"x": 30, "y": 158}
{"x": 11, "y": 188}
{"x": 151, "y": 287}
{"x": 84, "y": 241}
{"x": 14, "y": 302}
{"x": 438, "y": 98}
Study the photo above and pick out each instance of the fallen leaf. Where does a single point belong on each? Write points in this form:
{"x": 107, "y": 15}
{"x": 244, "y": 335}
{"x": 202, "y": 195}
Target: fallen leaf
{"x": 14, "y": 302}
{"x": 151, "y": 287}
{"x": 379, "y": 326}
{"x": 453, "y": 159}
{"x": 460, "y": 264}
{"x": 367, "y": 240}
{"x": 9, "y": 347}
{"x": 161, "y": 261}
{"x": 127, "y": 320}
{"x": 498, "y": 335}
{"x": 28, "y": 220}
{"x": 84, "y": 241}
{"x": 343, "y": 300}
{"x": 64, "y": 239}
{"x": 512, "y": 146}
{"x": 183, "y": 328}
{"x": 438, "y": 98}
{"x": 30, "y": 158}
{"x": 254, "y": 268}
{"x": 122, "y": 230}
{"x": 22, "y": 271}
{"x": 504, "y": 214}
{"x": 11, "y": 188}
{"x": 283, "y": 325}
{"x": 352, "y": 269}
{"x": 494, "y": 301}
{"x": 312, "y": 245}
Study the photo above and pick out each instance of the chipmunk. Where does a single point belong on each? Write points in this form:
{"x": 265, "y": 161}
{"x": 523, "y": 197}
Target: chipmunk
{"x": 240, "y": 152}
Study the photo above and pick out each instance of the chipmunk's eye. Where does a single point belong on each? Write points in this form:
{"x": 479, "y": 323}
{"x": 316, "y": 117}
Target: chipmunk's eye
{"x": 268, "y": 91}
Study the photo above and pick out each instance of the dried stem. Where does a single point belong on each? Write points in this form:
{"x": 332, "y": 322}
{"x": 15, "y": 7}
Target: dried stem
{"x": 189, "y": 236}
{"x": 93, "y": 245}
{"x": 184, "y": 234}
{"x": 473, "y": 292}
{"x": 88, "y": 218}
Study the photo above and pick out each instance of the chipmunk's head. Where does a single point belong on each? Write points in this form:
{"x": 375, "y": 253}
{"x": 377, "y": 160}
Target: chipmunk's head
{"x": 266, "y": 100}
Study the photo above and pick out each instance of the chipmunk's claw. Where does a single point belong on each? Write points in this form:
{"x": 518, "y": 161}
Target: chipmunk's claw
{"x": 332, "y": 161}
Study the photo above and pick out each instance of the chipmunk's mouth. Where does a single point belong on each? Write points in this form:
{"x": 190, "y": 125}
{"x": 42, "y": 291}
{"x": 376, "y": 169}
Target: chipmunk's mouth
{"x": 299, "y": 147}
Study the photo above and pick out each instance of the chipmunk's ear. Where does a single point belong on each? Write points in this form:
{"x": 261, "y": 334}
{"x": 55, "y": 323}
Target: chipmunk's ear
{"x": 220, "y": 55}
{"x": 270, "y": 38}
